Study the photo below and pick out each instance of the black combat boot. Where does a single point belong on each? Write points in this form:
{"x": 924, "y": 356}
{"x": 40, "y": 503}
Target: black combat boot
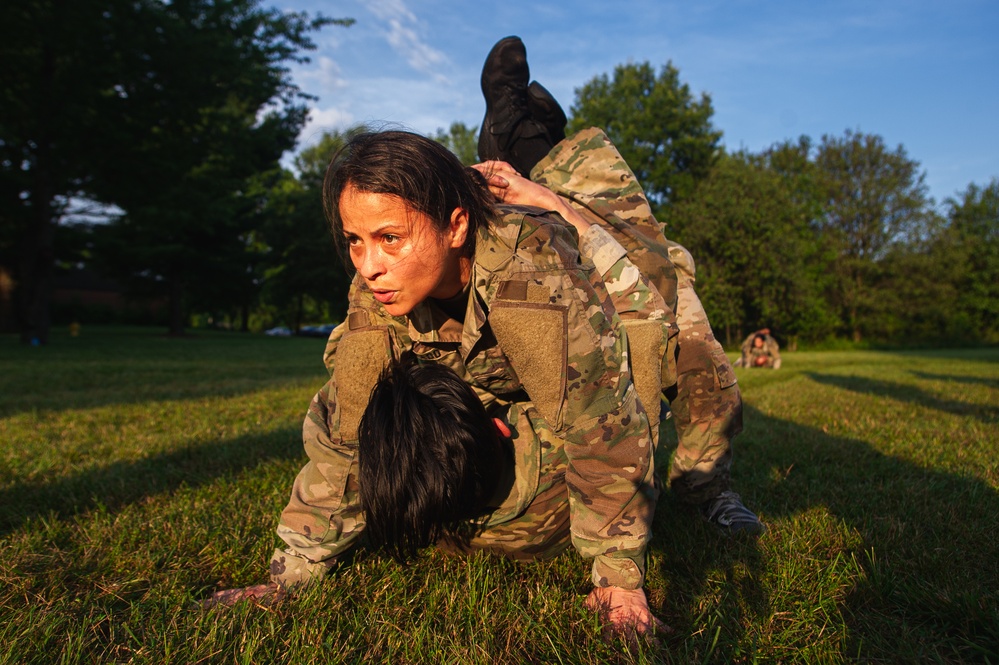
{"x": 546, "y": 110}
{"x": 509, "y": 132}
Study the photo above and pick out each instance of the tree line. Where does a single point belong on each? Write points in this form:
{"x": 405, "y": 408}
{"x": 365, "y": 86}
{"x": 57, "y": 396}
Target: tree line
{"x": 166, "y": 114}
{"x": 817, "y": 240}
{"x": 173, "y": 117}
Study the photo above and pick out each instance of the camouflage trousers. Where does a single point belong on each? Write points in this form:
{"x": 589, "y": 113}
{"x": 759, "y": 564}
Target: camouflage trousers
{"x": 588, "y": 171}
{"x": 707, "y": 408}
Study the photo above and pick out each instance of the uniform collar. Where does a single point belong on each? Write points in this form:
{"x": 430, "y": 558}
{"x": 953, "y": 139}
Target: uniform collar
{"x": 495, "y": 247}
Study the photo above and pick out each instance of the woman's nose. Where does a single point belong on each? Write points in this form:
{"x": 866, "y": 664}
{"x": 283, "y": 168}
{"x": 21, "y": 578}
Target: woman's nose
{"x": 371, "y": 265}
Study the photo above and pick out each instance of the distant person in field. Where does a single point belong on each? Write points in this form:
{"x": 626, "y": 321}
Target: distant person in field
{"x": 760, "y": 349}
{"x": 551, "y": 301}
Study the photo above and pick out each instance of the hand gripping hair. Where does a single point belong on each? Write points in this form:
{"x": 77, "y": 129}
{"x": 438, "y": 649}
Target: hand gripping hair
{"x": 430, "y": 459}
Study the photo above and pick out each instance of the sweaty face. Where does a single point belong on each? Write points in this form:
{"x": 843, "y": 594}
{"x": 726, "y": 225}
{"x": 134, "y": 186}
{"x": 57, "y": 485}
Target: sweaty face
{"x": 402, "y": 256}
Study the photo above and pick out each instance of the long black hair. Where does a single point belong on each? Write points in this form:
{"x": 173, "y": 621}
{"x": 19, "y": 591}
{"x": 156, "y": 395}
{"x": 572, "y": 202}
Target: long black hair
{"x": 430, "y": 459}
{"x": 420, "y": 171}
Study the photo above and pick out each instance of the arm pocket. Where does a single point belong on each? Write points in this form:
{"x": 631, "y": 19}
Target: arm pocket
{"x": 652, "y": 355}
{"x": 723, "y": 368}
{"x": 360, "y": 358}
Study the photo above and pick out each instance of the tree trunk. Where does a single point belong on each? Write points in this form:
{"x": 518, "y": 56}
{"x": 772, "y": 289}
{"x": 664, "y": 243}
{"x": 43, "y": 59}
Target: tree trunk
{"x": 298, "y": 314}
{"x": 176, "y": 321}
{"x": 38, "y": 258}
{"x": 37, "y": 254}
{"x": 34, "y": 292}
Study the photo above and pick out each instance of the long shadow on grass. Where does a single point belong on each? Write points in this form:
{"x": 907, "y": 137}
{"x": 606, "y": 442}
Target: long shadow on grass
{"x": 906, "y": 393}
{"x": 130, "y": 368}
{"x": 930, "y": 556}
{"x": 122, "y": 483}
{"x": 710, "y": 586}
{"x": 703, "y": 584}
{"x": 955, "y": 378}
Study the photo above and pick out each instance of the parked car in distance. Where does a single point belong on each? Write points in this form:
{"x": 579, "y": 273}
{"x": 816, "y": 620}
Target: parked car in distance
{"x": 280, "y": 331}
{"x": 323, "y": 330}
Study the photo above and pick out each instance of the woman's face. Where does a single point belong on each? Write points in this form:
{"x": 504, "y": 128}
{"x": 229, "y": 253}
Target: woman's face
{"x": 403, "y": 258}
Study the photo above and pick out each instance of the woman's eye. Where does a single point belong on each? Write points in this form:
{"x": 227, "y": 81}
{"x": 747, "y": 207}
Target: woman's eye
{"x": 390, "y": 239}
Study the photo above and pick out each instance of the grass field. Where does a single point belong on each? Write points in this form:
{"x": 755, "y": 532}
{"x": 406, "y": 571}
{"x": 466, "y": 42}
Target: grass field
{"x": 140, "y": 473}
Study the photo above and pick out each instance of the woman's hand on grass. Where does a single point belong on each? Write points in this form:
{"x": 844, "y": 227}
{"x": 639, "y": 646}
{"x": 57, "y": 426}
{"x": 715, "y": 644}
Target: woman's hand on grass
{"x": 625, "y": 613}
{"x": 260, "y": 594}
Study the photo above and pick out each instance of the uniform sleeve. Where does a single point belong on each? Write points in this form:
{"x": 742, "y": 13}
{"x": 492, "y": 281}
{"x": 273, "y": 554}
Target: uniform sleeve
{"x": 630, "y": 291}
{"x": 609, "y": 477}
{"x": 596, "y": 409}
{"x": 323, "y": 517}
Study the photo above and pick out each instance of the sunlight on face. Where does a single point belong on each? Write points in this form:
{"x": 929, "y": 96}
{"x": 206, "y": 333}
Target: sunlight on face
{"x": 403, "y": 258}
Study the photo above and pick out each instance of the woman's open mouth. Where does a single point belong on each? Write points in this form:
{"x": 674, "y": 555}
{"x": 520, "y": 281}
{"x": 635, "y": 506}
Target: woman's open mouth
{"x": 384, "y": 297}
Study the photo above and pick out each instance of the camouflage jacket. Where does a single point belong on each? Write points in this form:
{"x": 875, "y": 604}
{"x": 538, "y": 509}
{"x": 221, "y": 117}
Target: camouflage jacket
{"x": 543, "y": 344}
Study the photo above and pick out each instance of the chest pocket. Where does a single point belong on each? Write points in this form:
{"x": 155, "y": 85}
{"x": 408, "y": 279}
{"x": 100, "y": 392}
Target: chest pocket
{"x": 534, "y": 337}
{"x": 490, "y": 369}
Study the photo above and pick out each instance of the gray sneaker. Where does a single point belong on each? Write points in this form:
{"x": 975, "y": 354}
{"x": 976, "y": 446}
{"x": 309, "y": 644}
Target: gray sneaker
{"x": 727, "y": 512}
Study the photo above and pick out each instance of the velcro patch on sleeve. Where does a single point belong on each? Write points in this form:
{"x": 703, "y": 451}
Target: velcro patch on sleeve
{"x": 645, "y": 354}
{"x": 360, "y": 359}
{"x": 534, "y": 337}
{"x": 523, "y": 291}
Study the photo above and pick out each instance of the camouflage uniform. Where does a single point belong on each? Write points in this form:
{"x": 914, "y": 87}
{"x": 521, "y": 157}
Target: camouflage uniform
{"x": 769, "y": 352}
{"x": 543, "y": 346}
{"x": 707, "y": 408}
{"x": 584, "y": 447}
{"x": 706, "y": 403}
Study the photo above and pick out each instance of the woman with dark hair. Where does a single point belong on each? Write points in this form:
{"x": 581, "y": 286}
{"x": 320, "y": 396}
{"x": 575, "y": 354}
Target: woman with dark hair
{"x": 431, "y": 462}
{"x": 499, "y": 294}
{"x": 526, "y": 301}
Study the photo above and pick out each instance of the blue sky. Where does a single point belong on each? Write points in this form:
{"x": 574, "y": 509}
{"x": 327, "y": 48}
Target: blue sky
{"x": 924, "y": 75}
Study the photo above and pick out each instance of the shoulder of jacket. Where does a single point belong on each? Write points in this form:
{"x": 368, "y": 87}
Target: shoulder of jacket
{"x": 537, "y": 237}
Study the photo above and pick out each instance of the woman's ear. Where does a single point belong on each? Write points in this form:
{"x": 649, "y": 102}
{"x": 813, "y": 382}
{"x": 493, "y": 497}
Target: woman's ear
{"x": 459, "y": 228}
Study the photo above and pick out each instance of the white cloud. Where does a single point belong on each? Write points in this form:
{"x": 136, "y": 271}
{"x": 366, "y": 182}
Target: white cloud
{"x": 405, "y": 34}
{"x": 324, "y": 120}
{"x": 324, "y": 75}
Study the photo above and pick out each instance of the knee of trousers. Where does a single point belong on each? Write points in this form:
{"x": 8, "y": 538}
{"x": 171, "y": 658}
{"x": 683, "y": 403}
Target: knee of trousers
{"x": 683, "y": 261}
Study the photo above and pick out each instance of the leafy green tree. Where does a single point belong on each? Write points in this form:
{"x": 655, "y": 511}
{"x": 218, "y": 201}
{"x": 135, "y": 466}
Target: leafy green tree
{"x": 303, "y": 276}
{"x": 220, "y": 109}
{"x": 757, "y": 256}
{"x": 974, "y": 235}
{"x": 661, "y": 130}
{"x": 917, "y": 286}
{"x": 60, "y": 61}
{"x": 164, "y": 109}
{"x": 462, "y": 140}
{"x": 875, "y": 200}
{"x": 794, "y": 163}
